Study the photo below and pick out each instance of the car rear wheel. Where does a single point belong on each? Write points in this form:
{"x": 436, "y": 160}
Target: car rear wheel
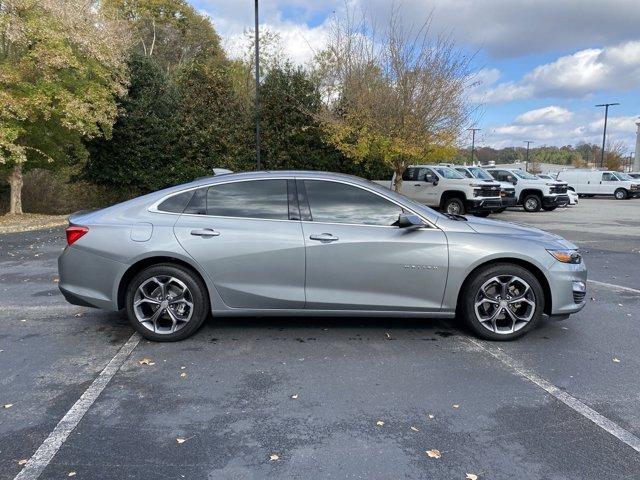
{"x": 166, "y": 303}
{"x": 532, "y": 203}
{"x": 502, "y": 302}
{"x": 454, "y": 206}
{"x": 620, "y": 194}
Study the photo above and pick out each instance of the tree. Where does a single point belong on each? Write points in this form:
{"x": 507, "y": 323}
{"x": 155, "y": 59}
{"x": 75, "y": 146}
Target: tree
{"x": 141, "y": 147}
{"x": 396, "y": 97}
{"x": 61, "y": 68}
{"x": 613, "y": 155}
{"x": 170, "y": 31}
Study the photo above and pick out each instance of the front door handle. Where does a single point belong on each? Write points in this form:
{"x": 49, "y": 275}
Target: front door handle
{"x": 324, "y": 237}
{"x": 205, "y": 232}
{"x": 417, "y": 184}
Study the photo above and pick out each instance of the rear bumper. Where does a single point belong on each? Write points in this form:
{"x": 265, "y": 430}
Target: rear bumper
{"x": 88, "y": 279}
{"x": 555, "y": 201}
{"x": 483, "y": 205}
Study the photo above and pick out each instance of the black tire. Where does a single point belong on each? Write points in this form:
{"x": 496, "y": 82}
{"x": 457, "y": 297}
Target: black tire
{"x": 532, "y": 202}
{"x": 549, "y": 209}
{"x": 500, "y": 210}
{"x": 621, "y": 194}
{"x": 455, "y": 204}
{"x": 482, "y": 214}
{"x": 471, "y": 288}
{"x": 199, "y": 297}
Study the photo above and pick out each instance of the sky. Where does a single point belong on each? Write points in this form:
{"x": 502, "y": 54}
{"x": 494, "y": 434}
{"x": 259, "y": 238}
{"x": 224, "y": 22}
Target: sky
{"x": 540, "y": 66}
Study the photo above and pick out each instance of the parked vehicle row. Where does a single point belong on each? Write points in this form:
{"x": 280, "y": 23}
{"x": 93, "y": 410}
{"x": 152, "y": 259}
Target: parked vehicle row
{"x": 480, "y": 191}
{"x": 601, "y": 182}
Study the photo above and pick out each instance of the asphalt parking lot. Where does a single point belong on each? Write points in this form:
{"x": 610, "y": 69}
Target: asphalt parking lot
{"x": 219, "y": 405}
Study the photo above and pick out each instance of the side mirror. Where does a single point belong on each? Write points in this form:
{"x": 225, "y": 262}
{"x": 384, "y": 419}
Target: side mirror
{"x": 431, "y": 179}
{"x": 409, "y": 221}
{"x": 513, "y": 180}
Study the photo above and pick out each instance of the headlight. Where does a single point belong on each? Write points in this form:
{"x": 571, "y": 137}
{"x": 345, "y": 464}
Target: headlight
{"x": 566, "y": 256}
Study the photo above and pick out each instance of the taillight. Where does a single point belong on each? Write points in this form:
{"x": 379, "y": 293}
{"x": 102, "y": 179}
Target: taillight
{"x": 74, "y": 233}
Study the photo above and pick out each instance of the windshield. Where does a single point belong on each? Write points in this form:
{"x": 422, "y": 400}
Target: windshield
{"x": 545, "y": 177}
{"x": 525, "y": 175}
{"x": 446, "y": 172}
{"x": 623, "y": 176}
{"x": 480, "y": 173}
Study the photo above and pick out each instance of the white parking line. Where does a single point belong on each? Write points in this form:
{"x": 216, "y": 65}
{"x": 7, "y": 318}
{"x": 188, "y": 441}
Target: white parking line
{"x": 614, "y": 286}
{"x": 39, "y": 460}
{"x": 603, "y": 422}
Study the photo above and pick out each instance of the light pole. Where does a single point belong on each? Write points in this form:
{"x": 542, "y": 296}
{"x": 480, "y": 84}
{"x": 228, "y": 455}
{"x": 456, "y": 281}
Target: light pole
{"x": 473, "y": 140}
{"x": 257, "y": 41}
{"x": 526, "y": 162}
{"x": 604, "y": 133}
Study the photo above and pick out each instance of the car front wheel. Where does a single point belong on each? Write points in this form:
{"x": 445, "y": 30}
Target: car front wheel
{"x": 166, "y": 302}
{"x": 502, "y": 302}
{"x": 620, "y": 194}
{"x": 532, "y": 203}
{"x": 454, "y": 206}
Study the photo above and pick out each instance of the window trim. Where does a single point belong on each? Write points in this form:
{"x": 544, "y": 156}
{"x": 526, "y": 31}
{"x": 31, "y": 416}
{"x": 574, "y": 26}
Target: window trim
{"x": 153, "y": 207}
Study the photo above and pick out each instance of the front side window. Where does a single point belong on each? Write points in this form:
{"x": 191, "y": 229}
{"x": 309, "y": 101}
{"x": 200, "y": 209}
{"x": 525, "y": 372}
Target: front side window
{"x": 464, "y": 172}
{"x": 609, "y": 177}
{"x": 481, "y": 174}
{"x": 333, "y": 202}
{"x": 409, "y": 174}
{"x": 525, "y": 175}
{"x": 266, "y": 199}
{"x": 500, "y": 175}
{"x": 446, "y": 172}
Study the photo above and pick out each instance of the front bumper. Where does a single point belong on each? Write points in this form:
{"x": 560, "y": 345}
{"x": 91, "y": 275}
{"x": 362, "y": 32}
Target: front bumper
{"x": 483, "y": 205}
{"x": 567, "y": 284}
{"x": 509, "y": 201}
{"x": 555, "y": 201}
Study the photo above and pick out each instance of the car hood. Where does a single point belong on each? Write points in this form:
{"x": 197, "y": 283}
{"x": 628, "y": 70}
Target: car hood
{"x": 498, "y": 227}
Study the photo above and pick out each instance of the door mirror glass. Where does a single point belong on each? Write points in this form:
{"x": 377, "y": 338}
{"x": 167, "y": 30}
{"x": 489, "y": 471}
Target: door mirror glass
{"x": 512, "y": 179}
{"x": 431, "y": 178}
{"x": 409, "y": 221}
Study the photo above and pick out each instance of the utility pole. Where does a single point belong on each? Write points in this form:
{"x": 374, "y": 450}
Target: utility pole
{"x": 604, "y": 133}
{"x": 526, "y": 162}
{"x": 473, "y": 140}
{"x": 257, "y": 42}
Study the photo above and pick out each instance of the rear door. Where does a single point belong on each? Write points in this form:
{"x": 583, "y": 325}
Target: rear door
{"x": 358, "y": 260}
{"x": 248, "y": 241}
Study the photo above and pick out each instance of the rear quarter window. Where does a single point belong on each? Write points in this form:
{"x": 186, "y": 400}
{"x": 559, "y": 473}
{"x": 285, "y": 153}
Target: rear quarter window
{"x": 176, "y": 203}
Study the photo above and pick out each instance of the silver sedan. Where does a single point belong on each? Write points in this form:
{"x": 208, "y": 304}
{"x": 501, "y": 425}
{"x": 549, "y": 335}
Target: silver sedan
{"x": 311, "y": 243}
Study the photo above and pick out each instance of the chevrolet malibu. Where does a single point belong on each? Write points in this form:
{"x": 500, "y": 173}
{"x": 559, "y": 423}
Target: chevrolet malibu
{"x": 312, "y": 244}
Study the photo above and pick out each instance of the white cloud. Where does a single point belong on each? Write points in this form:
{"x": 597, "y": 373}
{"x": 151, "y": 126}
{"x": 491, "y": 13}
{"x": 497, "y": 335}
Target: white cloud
{"x": 574, "y": 76}
{"x": 541, "y": 127}
{"x": 545, "y": 115}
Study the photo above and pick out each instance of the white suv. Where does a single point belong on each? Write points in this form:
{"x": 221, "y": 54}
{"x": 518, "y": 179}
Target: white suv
{"x": 507, "y": 190}
{"x": 532, "y": 193}
{"x": 444, "y": 188}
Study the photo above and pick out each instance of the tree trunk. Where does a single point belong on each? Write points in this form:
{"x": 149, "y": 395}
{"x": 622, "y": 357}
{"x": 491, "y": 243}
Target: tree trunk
{"x": 399, "y": 169}
{"x": 15, "y": 182}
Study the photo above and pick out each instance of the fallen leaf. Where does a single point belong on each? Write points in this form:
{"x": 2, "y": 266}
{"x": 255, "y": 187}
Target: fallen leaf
{"x": 79, "y": 314}
{"x": 7, "y": 405}
{"x": 56, "y": 280}
{"x": 615, "y": 360}
{"x": 434, "y": 453}
{"x": 182, "y": 368}
{"x": 455, "y": 405}
{"x": 388, "y": 335}
{"x": 181, "y": 440}
{"x": 620, "y": 305}
{"x": 295, "y": 397}
{"x": 414, "y": 429}
{"x": 23, "y": 461}
{"x": 71, "y": 474}
{"x": 471, "y": 476}
{"x": 431, "y": 416}
{"x": 23, "y": 319}
{"x": 273, "y": 457}
{"x": 146, "y": 361}
{"x": 379, "y": 423}
{"x": 183, "y": 375}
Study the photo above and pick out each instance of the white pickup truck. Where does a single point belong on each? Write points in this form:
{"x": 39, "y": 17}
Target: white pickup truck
{"x": 442, "y": 187}
{"x": 532, "y": 193}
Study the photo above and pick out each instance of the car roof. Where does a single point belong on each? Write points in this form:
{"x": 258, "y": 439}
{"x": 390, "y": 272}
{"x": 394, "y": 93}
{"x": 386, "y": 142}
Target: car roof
{"x": 265, "y": 174}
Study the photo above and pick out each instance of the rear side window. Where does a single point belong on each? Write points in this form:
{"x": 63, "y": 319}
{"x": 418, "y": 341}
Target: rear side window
{"x": 198, "y": 203}
{"x": 176, "y": 203}
{"x": 266, "y": 199}
{"x": 334, "y": 202}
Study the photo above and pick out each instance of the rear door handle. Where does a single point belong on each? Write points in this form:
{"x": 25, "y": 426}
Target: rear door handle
{"x": 205, "y": 232}
{"x": 324, "y": 237}
{"x": 417, "y": 184}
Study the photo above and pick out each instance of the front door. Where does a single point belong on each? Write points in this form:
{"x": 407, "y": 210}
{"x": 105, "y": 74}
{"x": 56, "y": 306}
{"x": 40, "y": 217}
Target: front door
{"x": 241, "y": 235}
{"x": 356, "y": 259}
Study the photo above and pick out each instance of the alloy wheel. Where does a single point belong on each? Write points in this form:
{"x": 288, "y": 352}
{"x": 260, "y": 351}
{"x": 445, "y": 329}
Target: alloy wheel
{"x": 163, "y": 304}
{"x": 531, "y": 204}
{"x": 453, "y": 208}
{"x": 504, "y": 304}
